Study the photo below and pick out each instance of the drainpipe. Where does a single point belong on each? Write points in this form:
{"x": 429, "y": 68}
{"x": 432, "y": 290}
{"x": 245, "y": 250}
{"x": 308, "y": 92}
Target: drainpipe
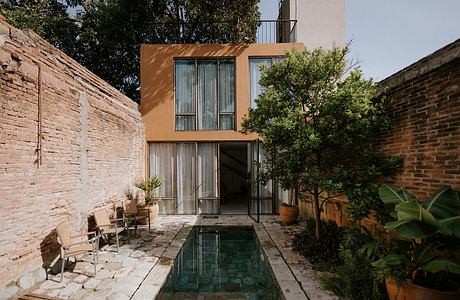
{"x": 39, "y": 117}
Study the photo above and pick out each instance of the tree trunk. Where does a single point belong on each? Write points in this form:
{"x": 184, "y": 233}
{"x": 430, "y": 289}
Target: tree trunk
{"x": 317, "y": 214}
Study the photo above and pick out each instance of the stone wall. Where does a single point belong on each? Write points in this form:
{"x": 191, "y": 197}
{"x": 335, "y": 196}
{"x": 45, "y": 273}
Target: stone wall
{"x": 424, "y": 108}
{"x": 69, "y": 144}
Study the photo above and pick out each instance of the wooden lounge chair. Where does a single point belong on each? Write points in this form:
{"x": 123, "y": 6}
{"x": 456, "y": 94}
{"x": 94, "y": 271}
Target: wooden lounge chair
{"x": 130, "y": 211}
{"x": 107, "y": 226}
{"x": 71, "y": 248}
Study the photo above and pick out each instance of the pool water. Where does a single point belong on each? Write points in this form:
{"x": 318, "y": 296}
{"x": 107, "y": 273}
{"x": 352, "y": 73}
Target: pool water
{"x": 218, "y": 262}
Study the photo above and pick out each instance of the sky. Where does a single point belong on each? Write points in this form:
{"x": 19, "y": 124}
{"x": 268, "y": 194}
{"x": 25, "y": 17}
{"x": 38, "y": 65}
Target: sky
{"x": 388, "y": 35}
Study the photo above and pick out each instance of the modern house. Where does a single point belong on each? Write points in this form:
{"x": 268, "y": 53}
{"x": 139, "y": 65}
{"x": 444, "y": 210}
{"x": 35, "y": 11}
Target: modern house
{"x": 193, "y": 100}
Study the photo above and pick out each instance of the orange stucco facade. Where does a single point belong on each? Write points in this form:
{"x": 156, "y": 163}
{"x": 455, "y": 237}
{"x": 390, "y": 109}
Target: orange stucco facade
{"x": 157, "y": 87}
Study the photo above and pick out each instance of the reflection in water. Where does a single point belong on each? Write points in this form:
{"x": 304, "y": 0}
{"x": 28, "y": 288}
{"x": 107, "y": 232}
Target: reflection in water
{"x": 220, "y": 263}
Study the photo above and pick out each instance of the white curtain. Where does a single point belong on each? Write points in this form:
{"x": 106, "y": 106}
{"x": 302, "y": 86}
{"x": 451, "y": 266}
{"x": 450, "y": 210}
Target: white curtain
{"x": 207, "y": 88}
{"x": 254, "y": 71}
{"x": 207, "y": 178}
{"x": 162, "y": 165}
{"x": 226, "y": 94}
{"x": 185, "y": 94}
{"x": 186, "y": 170}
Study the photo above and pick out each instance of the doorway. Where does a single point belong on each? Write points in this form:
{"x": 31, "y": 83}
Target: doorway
{"x": 233, "y": 178}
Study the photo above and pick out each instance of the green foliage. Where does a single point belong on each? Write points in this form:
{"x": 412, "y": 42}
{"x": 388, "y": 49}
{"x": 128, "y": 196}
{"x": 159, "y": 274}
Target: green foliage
{"x": 324, "y": 254}
{"x": 106, "y": 36}
{"x": 356, "y": 278}
{"x": 425, "y": 230}
{"x": 148, "y": 186}
{"x": 47, "y": 18}
{"x": 317, "y": 123}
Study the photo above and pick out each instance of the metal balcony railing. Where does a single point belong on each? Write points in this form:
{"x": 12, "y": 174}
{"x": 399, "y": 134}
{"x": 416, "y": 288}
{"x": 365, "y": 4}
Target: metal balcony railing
{"x": 224, "y": 32}
{"x": 276, "y": 31}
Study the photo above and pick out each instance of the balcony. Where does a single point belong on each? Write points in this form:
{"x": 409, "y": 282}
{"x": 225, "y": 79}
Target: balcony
{"x": 234, "y": 32}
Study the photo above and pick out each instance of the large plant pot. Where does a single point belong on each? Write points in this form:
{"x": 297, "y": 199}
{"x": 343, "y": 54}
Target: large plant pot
{"x": 410, "y": 291}
{"x": 153, "y": 214}
{"x": 288, "y": 214}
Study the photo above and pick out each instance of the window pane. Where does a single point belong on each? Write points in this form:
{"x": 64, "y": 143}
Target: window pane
{"x": 254, "y": 70}
{"x": 185, "y": 122}
{"x": 226, "y": 86}
{"x": 185, "y": 86}
{"x": 207, "y": 90}
{"x": 226, "y": 122}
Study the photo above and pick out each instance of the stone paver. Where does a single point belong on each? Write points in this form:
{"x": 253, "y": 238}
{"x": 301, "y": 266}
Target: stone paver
{"x": 141, "y": 267}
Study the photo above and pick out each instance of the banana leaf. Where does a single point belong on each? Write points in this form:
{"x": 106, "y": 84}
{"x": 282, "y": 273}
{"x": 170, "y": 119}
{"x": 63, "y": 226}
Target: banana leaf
{"x": 445, "y": 203}
{"x": 438, "y": 265}
{"x": 392, "y": 196}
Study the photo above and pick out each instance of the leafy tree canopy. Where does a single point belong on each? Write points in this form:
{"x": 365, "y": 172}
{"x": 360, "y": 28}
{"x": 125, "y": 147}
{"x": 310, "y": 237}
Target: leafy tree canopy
{"x": 318, "y": 120}
{"x": 105, "y": 36}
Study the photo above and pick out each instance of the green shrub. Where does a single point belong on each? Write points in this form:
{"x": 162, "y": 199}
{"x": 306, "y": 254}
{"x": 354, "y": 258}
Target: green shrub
{"x": 324, "y": 254}
{"x": 356, "y": 278}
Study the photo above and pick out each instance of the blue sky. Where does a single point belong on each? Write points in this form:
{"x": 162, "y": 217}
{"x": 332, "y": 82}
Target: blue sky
{"x": 388, "y": 35}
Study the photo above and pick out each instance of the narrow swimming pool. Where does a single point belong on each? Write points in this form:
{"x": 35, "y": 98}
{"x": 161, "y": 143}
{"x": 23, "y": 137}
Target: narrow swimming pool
{"x": 220, "y": 262}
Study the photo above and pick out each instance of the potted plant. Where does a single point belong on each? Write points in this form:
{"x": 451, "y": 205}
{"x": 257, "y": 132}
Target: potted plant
{"x": 289, "y": 212}
{"x": 149, "y": 186}
{"x": 425, "y": 236}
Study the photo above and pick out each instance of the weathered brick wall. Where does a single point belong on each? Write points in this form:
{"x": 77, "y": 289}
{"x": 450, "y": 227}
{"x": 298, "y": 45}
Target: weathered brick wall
{"x": 92, "y": 148}
{"x": 424, "y": 108}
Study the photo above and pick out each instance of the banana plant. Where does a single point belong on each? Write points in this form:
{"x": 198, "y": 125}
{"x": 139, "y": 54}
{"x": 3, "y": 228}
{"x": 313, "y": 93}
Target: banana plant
{"x": 420, "y": 227}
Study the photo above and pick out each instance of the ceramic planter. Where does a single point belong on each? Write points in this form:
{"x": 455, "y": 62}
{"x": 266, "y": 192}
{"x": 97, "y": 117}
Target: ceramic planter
{"x": 410, "y": 291}
{"x": 153, "y": 214}
{"x": 288, "y": 214}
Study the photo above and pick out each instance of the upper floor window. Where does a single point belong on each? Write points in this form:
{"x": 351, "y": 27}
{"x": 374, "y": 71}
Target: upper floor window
{"x": 205, "y": 94}
{"x": 254, "y": 74}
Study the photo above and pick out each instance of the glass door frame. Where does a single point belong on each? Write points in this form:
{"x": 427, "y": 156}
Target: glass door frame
{"x": 254, "y": 160}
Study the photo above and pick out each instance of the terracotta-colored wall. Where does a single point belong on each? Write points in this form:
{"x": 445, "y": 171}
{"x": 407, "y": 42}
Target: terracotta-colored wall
{"x": 157, "y": 87}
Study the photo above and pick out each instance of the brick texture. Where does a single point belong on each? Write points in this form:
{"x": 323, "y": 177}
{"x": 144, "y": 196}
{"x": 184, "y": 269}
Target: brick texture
{"x": 424, "y": 108}
{"x": 92, "y": 148}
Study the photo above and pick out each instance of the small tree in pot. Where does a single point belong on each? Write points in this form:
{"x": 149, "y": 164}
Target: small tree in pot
{"x": 317, "y": 122}
{"x": 149, "y": 186}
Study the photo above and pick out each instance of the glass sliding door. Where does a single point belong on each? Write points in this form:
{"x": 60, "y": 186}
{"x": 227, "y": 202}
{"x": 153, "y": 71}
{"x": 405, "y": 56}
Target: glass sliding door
{"x": 161, "y": 164}
{"x": 208, "y": 193}
{"x": 261, "y": 195}
{"x": 186, "y": 177}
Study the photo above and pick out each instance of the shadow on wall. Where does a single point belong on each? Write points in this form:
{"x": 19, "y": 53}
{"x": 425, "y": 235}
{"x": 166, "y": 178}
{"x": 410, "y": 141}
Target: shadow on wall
{"x": 50, "y": 250}
{"x": 157, "y": 69}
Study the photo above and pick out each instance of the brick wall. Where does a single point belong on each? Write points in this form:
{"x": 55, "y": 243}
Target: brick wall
{"x": 92, "y": 141}
{"x": 424, "y": 108}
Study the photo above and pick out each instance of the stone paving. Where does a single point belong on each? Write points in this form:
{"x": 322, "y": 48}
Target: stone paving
{"x": 140, "y": 267}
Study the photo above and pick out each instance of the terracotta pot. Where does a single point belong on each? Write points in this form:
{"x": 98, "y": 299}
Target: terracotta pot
{"x": 410, "y": 291}
{"x": 288, "y": 214}
{"x": 153, "y": 214}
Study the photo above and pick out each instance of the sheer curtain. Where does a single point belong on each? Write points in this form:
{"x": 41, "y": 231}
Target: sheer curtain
{"x": 226, "y": 94}
{"x": 186, "y": 170}
{"x": 207, "y": 88}
{"x": 207, "y": 178}
{"x": 161, "y": 164}
{"x": 254, "y": 72}
{"x": 185, "y": 95}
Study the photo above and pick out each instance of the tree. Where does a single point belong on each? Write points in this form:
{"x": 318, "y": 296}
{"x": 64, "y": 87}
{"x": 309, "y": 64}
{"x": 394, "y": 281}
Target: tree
{"x": 47, "y": 18}
{"x": 105, "y": 36}
{"x": 318, "y": 121}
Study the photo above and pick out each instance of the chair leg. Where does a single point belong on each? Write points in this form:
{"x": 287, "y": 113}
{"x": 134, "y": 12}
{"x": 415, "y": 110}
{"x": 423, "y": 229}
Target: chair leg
{"x": 135, "y": 228}
{"x": 148, "y": 214}
{"x": 62, "y": 267}
{"x": 118, "y": 246}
